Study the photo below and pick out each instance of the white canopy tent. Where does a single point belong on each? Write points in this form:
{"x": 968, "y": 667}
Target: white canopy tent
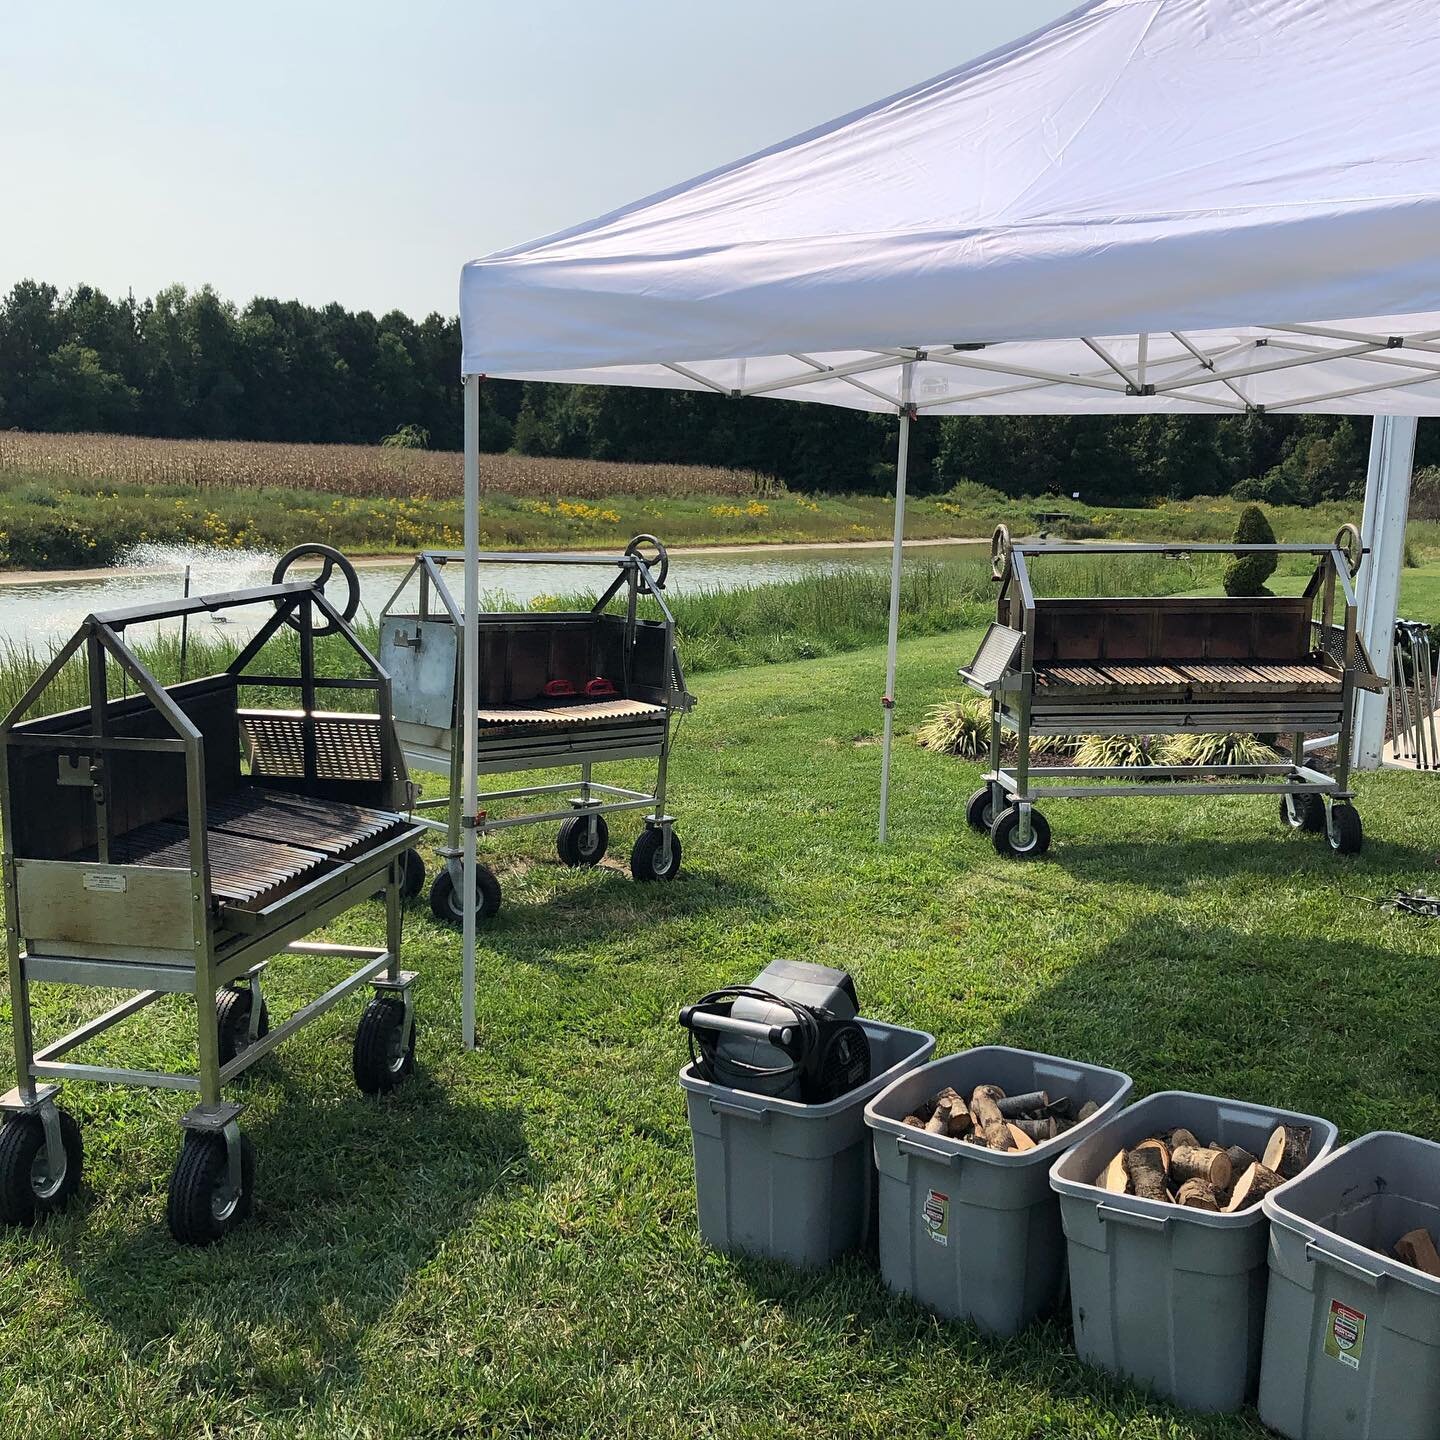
{"x": 1150, "y": 205}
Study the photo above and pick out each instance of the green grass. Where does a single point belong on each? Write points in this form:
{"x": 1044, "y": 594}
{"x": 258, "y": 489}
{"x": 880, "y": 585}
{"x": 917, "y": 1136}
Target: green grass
{"x": 508, "y": 1245}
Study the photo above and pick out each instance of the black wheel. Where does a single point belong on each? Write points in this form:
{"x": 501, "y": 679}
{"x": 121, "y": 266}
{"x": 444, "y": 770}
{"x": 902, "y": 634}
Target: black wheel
{"x": 655, "y": 556}
{"x": 382, "y": 1059}
{"x": 1308, "y": 812}
{"x": 28, "y": 1188}
{"x": 232, "y": 1011}
{"x": 645, "y": 862}
{"x": 980, "y": 810}
{"x": 578, "y": 844}
{"x": 1346, "y": 834}
{"x": 330, "y": 559}
{"x": 1002, "y": 834}
{"x": 412, "y": 877}
{"x": 446, "y": 903}
{"x": 202, "y": 1205}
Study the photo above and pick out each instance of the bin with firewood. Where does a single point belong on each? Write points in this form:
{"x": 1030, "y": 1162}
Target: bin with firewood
{"x": 968, "y": 1224}
{"x": 1166, "y": 1239}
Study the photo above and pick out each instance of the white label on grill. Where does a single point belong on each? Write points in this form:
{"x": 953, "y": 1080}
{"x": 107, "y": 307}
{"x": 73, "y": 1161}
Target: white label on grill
{"x": 106, "y": 881}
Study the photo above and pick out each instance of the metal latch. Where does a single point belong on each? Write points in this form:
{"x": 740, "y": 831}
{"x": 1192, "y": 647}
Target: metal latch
{"x": 80, "y": 770}
{"x": 401, "y": 638}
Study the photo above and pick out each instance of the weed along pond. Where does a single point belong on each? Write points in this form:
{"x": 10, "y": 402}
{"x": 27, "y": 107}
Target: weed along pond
{"x": 36, "y": 611}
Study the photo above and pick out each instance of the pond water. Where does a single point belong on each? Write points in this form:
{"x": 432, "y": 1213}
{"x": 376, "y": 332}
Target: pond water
{"x": 43, "y": 612}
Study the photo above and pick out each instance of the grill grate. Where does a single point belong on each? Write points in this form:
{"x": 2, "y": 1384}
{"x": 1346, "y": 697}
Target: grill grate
{"x": 346, "y": 747}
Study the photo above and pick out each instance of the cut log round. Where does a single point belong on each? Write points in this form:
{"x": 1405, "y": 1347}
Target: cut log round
{"x": 1240, "y": 1159}
{"x": 1258, "y": 1180}
{"x": 1158, "y": 1145}
{"x": 985, "y": 1113}
{"x": 1190, "y": 1162}
{"x": 914, "y": 1120}
{"x": 1014, "y": 1107}
{"x": 1418, "y": 1249}
{"x": 1287, "y": 1151}
{"x": 1147, "y": 1171}
{"x": 1197, "y": 1195}
{"x": 960, "y": 1122}
{"x": 1039, "y": 1130}
{"x": 1018, "y": 1138}
{"x": 1088, "y": 1109}
{"x": 1181, "y": 1136}
{"x": 1116, "y": 1178}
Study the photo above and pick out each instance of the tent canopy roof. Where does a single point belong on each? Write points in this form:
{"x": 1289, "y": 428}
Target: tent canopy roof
{"x": 1149, "y": 205}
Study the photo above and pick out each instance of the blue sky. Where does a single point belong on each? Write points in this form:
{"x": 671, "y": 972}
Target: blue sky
{"x": 361, "y": 152}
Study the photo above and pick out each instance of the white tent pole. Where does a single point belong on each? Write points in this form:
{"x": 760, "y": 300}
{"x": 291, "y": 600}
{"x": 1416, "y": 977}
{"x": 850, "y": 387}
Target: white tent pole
{"x": 1387, "y": 506}
{"x": 897, "y": 552}
{"x": 470, "y": 699}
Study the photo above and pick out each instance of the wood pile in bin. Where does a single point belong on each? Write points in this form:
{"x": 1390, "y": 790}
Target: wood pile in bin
{"x": 1177, "y": 1168}
{"x": 997, "y": 1121}
{"x": 1417, "y": 1249}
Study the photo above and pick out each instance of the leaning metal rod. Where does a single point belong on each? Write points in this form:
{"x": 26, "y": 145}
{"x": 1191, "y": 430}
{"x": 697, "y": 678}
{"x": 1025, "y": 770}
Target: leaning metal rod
{"x": 897, "y": 554}
{"x": 470, "y": 702}
{"x": 185, "y": 626}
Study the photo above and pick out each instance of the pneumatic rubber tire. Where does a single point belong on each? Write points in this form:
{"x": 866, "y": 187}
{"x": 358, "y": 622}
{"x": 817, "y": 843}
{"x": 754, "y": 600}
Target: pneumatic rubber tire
{"x": 27, "y": 1189}
{"x": 232, "y": 1013}
{"x": 645, "y": 856}
{"x": 379, "y": 1059}
{"x": 980, "y": 810}
{"x": 445, "y": 903}
{"x": 1309, "y": 813}
{"x": 412, "y": 877}
{"x": 1345, "y": 832}
{"x": 1002, "y": 834}
{"x": 574, "y": 842}
{"x": 199, "y": 1207}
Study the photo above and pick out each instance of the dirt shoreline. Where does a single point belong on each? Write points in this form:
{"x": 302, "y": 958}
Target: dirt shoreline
{"x": 41, "y": 577}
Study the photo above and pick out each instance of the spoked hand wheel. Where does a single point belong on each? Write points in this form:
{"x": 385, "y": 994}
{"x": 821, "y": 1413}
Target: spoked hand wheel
{"x": 655, "y": 556}
{"x": 331, "y": 560}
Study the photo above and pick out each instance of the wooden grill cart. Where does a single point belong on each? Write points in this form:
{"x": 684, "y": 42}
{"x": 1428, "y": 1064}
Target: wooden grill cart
{"x": 169, "y": 842}
{"x": 1170, "y": 665}
{"x": 557, "y": 689}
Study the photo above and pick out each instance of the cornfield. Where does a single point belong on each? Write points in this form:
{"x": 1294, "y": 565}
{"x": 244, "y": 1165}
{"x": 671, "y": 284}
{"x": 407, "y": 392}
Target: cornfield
{"x": 350, "y": 469}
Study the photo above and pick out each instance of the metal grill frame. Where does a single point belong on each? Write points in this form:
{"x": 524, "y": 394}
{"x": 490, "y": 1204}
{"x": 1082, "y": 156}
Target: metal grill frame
{"x": 227, "y": 946}
{"x": 439, "y": 749}
{"x": 1012, "y": 692}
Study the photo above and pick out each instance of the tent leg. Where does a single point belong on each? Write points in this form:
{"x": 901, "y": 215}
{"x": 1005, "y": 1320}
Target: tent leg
{"x": 1387, "y": 504}
{"x": 897, "y": 551}
{"x": 470, "y": 693}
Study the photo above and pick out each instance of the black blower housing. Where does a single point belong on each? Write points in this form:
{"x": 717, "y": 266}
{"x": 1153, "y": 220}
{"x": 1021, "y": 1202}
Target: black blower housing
{"x": 793, "y": 1034}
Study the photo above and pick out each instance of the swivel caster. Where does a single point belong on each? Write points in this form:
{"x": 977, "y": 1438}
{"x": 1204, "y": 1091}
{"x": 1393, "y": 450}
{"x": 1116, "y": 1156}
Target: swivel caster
{"x": 384, "y": 1054}
{"x": 33, "y": 1184}
{"x": 1344, "y": 829}
{"x": 1005, "y": 829}
{"x": 980, "y": 810}
{"x": 445, "y": 901}
{"x": 412, "y": 878}
{"x": 207, "y": 1198}
{"x": 233, "y": 1006}
{"x": 1303, "y": 812}
{"x": 582, "y": 840}
{"x": 647, "y": 860}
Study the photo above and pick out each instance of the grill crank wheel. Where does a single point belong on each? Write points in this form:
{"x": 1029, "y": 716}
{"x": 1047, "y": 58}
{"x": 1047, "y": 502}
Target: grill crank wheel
{"x": 331, "y": 560}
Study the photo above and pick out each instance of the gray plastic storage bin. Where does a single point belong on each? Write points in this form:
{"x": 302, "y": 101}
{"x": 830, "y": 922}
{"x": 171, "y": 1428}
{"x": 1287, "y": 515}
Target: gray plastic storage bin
{"x": 1352, "y": 1337}
{"x": 792, "y": 1181}
{"x": 974, "y": 1234}
{"x": 1173, "y": 1298}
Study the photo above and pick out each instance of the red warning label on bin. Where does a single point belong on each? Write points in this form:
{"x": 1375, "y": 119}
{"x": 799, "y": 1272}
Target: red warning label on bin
{"x": 1345, "y": 1334}
{"x": 935, "y": 1212}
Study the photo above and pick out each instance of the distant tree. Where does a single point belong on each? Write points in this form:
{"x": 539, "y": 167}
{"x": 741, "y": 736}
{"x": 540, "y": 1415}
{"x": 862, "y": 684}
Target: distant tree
{"x": 1247, "y": 574}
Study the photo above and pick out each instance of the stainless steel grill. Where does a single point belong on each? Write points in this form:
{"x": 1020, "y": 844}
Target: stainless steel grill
{"x": 556, "y": 689}
{"x": 172, "y": 841}
{"x": 1168, "y": 665}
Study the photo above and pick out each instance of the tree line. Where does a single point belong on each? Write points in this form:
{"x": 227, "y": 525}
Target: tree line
{"x": 188, "y": 363}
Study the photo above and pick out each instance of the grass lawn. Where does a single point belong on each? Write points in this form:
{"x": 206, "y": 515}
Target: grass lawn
{"x": 508, "y": 1246}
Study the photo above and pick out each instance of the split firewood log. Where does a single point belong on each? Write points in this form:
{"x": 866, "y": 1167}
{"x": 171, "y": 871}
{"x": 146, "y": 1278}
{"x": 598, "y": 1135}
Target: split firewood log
{"x": 985, "y": 1113}
{"x": 1256, "y": 1181}
{"x": 1018, "y": 1138}
{"x": 1116, "y": 1178}
{"x": 1240, "y": 1158}
{"x": 960, "y": 1122}
{"x": 1287, "y": 1151}
{"x": 1191, "y": 1162}
{"x": 939, "y": 1121}
{"x": 1013, "y": 1107}
{"x": 1197, "y": 1194}
{"x": 1147, "y": 1171}
{"x": 1038, "y": 1130}
{"x": 1086, "y": 1111}
{"x": 1418, "y": 1249}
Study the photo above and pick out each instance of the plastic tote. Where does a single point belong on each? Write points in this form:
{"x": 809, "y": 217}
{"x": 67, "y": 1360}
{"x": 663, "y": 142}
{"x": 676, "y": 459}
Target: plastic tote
{"x": 792, "y": 1181}
{"x": 1168, "y": 1296}
{"x": 974, "y": 1234}
{"x": 1352, "y": 1336}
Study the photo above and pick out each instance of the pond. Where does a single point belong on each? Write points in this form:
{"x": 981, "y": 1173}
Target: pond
{"x": 39, "y": 612}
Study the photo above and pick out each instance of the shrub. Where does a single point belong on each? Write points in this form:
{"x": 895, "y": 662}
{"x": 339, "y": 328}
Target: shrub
{"x": 1247, "y": 574}
{"x": 958, "y": 727}
{"x": 1113, "y": 750}
{"x": 1217, "y": 750}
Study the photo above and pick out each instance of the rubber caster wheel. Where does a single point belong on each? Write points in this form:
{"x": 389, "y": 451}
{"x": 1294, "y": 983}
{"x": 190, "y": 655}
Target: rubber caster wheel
{"x": 1002, "y": 834}
{"x": 645, "y": 862}
{"x": 232, "y": 1012}
{"x": 412, "y": 877}
{"x": 578, "y": 845}
{"x": 1345, "y": 832}
{"x": 28, "y": 1189}
{"x": 1308, "y": 813}
{"x": 382, "y": 1058}
{"x": 202, "y": 1206}
{"x": 980, "y": 810}
{"x": 445, "y": 902}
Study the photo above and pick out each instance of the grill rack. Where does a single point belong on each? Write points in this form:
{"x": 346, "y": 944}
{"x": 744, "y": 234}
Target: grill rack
{"x": 1170, "y": 665}
{"x": 521, "y": 729}
{"x": 172, "y": 841}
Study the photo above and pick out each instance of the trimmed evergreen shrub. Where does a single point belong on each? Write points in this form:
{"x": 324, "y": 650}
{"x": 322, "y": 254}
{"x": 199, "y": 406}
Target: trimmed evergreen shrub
{"x": 1247, "y": 574}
